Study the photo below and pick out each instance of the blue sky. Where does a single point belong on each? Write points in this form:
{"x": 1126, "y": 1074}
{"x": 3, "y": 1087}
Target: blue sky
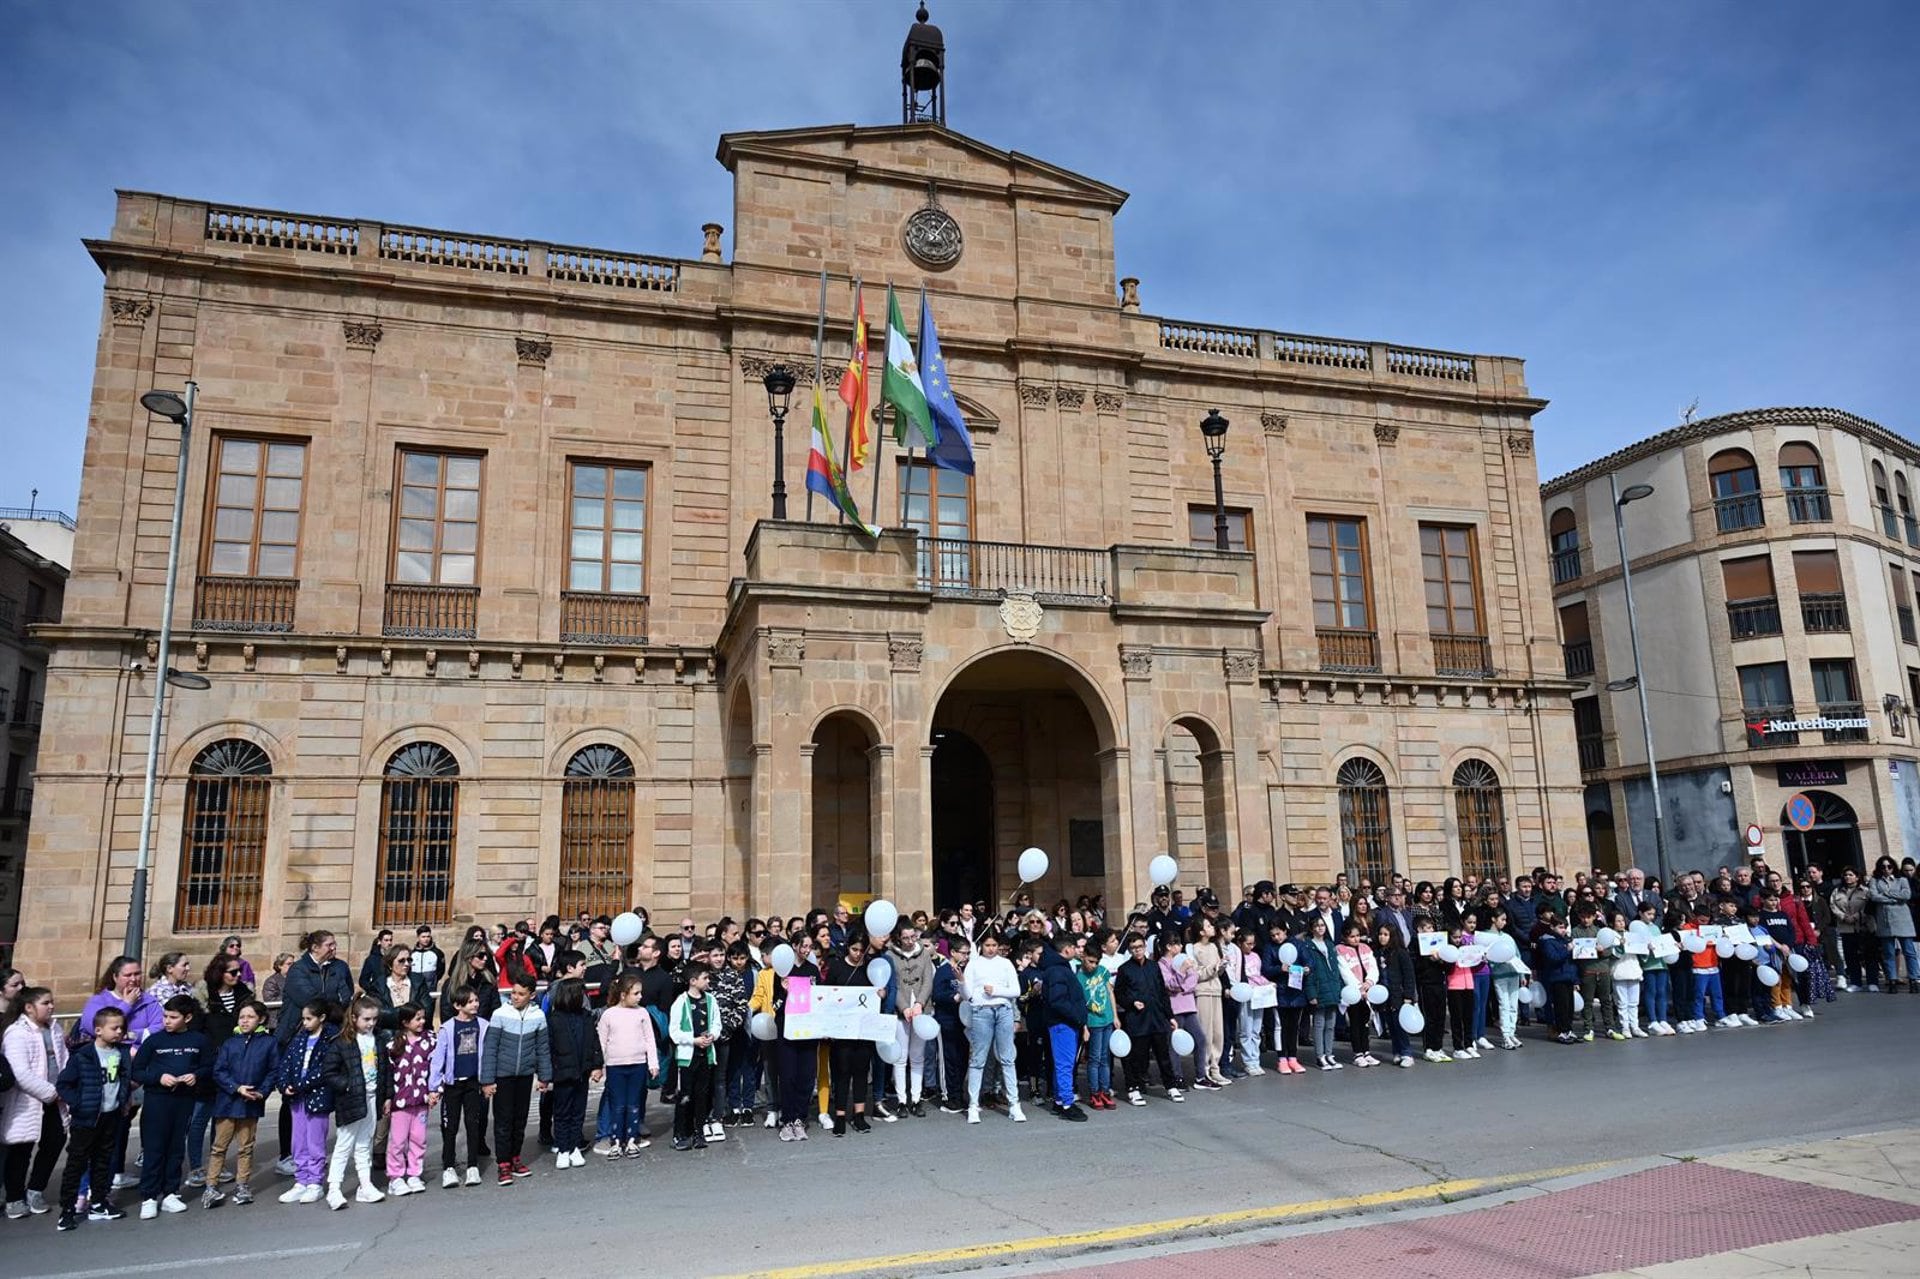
{"x": 1653, "y": 203}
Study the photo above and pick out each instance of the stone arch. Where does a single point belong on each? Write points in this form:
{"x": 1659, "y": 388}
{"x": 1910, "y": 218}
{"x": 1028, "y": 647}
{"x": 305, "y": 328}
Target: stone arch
{"x": 579, "y": 739}
{"x": 181, "y": 757}
{"x": 1100, "y": 707}
{"x": 865, "y": 715}
{"x": 1196, "y": 778}
{"x": 845, "y": 808}
{"x": 1384, "y": 764}
{"x": 1485, "y": 756}
{"x": 374, "y": 763}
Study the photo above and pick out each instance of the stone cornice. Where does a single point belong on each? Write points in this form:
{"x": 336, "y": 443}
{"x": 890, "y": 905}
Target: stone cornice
{"x": 1746, "y": 419}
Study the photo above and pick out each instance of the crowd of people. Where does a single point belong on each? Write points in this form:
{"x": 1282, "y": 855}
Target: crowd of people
{"x": 1051, "y": 1006}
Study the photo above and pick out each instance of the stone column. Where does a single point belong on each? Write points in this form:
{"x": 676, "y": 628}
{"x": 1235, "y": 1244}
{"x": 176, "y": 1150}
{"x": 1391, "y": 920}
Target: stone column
{"x": 1116, "y": 820}
{"x": 885, "y": 863}
{"x": 1252, "y": 830}
{"x": 1143, "y": 776}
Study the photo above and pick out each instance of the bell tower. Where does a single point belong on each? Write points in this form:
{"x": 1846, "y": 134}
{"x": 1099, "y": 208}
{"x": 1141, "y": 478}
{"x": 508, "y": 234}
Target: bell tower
{"x": 923, "y": 73}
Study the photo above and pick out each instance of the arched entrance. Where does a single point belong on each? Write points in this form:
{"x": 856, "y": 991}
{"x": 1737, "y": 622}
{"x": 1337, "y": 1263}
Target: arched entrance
{"x": 1833, "y": 842}
{"x": 843, "y": 816}
{"x": 1194, "y": 774}
{"x": 1021, "y": 759}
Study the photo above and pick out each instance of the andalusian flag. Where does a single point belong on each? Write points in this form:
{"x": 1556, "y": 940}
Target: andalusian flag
{"x": 853, "y": 390}
{"x": 823, "y": 473}
{"x": 900, "y": 383}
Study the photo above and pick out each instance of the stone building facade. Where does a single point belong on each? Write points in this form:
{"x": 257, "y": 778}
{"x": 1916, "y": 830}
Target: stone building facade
{"x": 33, "y": 574}
{"x": 479, "y": 562}
{"x": 1775, "y": 567}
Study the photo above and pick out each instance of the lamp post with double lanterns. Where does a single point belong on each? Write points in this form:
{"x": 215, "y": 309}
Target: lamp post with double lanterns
{"x": 169, "y": 405}
{"x": 1638, "y": 683}
{"x": 779, "y": 383}
{"x": 1214, "y": 428}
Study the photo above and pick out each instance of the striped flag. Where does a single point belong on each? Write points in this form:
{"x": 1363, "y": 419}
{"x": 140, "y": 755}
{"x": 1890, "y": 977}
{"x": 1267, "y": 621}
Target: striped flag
{"x": 823, "y": 472}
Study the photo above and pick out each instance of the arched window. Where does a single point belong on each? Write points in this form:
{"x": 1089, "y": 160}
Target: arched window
{"x": 1482, "y": 819}
{"x": 1905, "y": 503}
{"x": 1882, "y": 500}
{"x": 1366, "y": 825}
{"x": 1805, "y": 482}
{"x": 419, "y": 800}
{"x": 1736, "y": 490}
{"x": 1563, "y": 539}
{"x": 596, "y": 833}
{"x": 223, "y": 847}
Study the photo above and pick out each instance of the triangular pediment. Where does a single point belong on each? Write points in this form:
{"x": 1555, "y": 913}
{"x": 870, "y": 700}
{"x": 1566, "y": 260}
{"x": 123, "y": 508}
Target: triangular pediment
{"x": 918, "y": 152}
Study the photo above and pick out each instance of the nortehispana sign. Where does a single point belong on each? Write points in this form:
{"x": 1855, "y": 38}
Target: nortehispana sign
{"x": 1812, "y": 724}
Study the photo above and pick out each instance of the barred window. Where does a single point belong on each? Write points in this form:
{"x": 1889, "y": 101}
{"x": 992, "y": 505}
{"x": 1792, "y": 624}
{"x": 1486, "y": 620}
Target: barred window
{"x": 419, "y": 804}
{"x": 596, "y": 833}
{"x": 223, "y": 851}
{"x": 1366, "y": 824}
{"x": 1482, "y": 819}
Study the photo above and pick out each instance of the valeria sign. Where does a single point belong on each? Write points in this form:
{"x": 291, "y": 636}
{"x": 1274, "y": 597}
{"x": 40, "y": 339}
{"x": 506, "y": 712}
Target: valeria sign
{"x": 1811, "y": 724}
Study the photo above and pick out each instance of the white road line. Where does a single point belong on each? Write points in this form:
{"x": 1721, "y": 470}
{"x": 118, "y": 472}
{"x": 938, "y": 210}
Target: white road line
{"x": 156, "y": 1267}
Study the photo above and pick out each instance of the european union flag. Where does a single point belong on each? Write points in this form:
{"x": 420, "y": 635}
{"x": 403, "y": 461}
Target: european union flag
{"x": 953, "y": 447}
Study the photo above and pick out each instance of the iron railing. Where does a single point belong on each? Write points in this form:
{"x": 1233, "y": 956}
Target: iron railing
{"x": 1844, "y": 710}
{"x": 1593, "y": 752}
{"x": 1738, "y": 512}
{"x": 1462, "y": 655}
{"x": 989, "y": 570}
{"x": 1348, "y": 650}
{"x": 1566, "y": 565}
{"x": 597, "y": 617}
{"x": 244, "y": 603}
{"x": 1757, "y": 717}
{"x": 1749, "y": 618}
{"x": 1824, "y": 612}
{"x": 430, "y": 612}
{"x": 1579, "y": 657}
{"x": 1889, "y": 522}
{"x": 1904, "y": 612}
{"x": 1809, "y": 506}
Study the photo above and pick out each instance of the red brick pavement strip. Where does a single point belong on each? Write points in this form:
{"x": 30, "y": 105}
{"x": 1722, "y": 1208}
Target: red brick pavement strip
{"x": 1645, "y": 1218}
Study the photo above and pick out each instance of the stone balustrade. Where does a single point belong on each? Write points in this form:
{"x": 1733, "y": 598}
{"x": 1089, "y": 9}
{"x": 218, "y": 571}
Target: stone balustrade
{"x": 1336, "y": 354}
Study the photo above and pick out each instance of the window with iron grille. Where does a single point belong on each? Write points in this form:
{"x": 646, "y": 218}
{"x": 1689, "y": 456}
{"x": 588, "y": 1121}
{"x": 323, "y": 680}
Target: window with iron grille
{"x": 1482, "y": 819}
{"x": 223, "y": 848}
{"x": 596, "y": 833}
{"x": 419, "y": 806}
{"x": 1366, "y": 824}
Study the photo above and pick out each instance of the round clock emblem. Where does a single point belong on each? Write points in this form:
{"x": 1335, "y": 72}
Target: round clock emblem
{"x": 932, "y": 237}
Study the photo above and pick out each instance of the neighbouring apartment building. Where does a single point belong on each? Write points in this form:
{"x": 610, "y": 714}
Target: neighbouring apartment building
{"x": 1775, "y": 567}
{"x": 34, "y": 549}
{"x": 480, "y": 564}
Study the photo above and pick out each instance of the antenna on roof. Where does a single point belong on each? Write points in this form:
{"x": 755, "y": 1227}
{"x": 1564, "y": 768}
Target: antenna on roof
{"x": 1686, "y": 414}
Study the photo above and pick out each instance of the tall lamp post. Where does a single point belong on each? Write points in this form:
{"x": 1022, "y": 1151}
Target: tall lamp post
{"x": 169, "y": 405}
{"x": 1638, "y": 683}
{"x": 1214, "y": 428}
{"x": 779, "y": 384}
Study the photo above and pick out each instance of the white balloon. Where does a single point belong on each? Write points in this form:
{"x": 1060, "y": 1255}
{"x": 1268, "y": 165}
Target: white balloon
{"x": 784, "y": 959}
{"x": 1349, "y": 996}
{"x": 1033, "y": 865}
{"x": 888, "y": 1050}
{"x": 1693, "y": 942}
{"x": 1607, "y": 938}
{"x": 1288, "y": 952}
{"x": 1412, "y": 1020}
{"x": 626, "y": 929}
{"x": 881, "y": 917}
{"x": 1163, "y": 869}
{"x": 1535, "y": 995}
{"x": 925, "y": 1027}
{"x": 1503, "y": 949}
{"x": 1797, "y": 962}
{"x": 1747, "y": 951}
{"x": 763, "y": 1026}
{"x": 1767, "y": 976}
{"x": 966, "y": 1013}
{"x": 1640, "y": 928}
{"x": 1724, "y": 948}
{"x": 1182, "y": 1044}
{"x": 1579, "y": 1002}
{"x": 1121, "y": 1044}
{"x": 879, "y": 971}
{"x": 1241, "y": 992}
{"x": 1377, "y": 996}
{"x": 1447, "y": 953}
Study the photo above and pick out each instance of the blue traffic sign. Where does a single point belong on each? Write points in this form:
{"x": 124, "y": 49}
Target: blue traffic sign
{"x": 1800, "y": 812}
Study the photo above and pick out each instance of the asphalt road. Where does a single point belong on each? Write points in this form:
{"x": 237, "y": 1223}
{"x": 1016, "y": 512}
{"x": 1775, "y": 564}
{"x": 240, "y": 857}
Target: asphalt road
{"x": 754, "y": 1203}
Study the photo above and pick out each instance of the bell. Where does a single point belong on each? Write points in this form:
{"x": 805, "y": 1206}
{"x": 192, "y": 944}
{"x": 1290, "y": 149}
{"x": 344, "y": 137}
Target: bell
{"x": 924, "y": 75}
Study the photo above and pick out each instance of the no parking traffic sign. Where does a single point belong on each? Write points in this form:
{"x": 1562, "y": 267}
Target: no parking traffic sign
{"x": 1800, "y": 812}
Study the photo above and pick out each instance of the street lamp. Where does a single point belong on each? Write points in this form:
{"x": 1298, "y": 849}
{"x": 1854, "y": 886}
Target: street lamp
{"x": 779, "y": 384}
{"x": 1214, "y": 428}
{"x": 169, "y": 405}
{"x": 1633, "y": 494}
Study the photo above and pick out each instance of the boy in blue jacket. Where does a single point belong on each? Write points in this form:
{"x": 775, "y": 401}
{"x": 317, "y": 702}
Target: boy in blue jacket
{"x": 949, "y": 993}
{"x": 1553, "y": 964}
{"x": 242, "y": 1077}
{"x": 97, "y": 1086}
{"x": 176, "y": 1069}
{"x": 1065, "y": 1017}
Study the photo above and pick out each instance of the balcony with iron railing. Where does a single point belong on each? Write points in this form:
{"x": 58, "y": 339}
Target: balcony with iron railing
{"x": 1843, "y": 710}
{"x": 1809, "y": 506}
{"x": 253, "y": 604}
{"x": 1824, "y": 612}
{"x": 988, "y": 570}
{"x": 1579, "y": 658}
{"x": 600, "y": 617}
{"x": 419, "y": 611}
{"x": 1756, "y": 717}
{"x": 1462, "y": 655}
{"x": 1348, "y": 650}
{"x": 1741, "y": 511}
{"x": 1889, "y": 522}
{"x": 1749, "y": 619}
{"x": 1593, "y": 752}
{"x": 1912, "y": 527}
{"x": 1904, "y": 614}
{"x": 1566, "y": 565}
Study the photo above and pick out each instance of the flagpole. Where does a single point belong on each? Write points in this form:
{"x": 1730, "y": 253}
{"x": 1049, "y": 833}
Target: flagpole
{"x": 879, "y": 455}
{"x": 846, "y": 447}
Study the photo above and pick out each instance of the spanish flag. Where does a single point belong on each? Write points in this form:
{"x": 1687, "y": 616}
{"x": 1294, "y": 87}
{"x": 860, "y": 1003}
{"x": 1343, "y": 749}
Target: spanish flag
{"x": 853, "y": 389}
{"x": 823, "y": 472}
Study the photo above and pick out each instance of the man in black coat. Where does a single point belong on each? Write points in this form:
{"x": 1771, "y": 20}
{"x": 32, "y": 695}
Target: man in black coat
{"x": 1146, "y": 1014}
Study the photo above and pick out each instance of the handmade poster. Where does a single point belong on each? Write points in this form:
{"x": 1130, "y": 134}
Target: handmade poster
{"x": 1637, "y": 945}
{"x": 1665, "y": 947}
{"x": 1430, "y": 942}
{"x": 1472, "y": 956}
{"x": 1296, "y": 976}
{"x": 1267, "y": 996}
{"x": 1738, "y": 934}
{"x": 1585, "y": 947}
{"x": 1710, "y": 932}
{"x": 837, "y": 1012}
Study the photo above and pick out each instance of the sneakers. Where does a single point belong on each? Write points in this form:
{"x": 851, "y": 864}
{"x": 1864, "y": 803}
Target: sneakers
{"x": 126, "y": 1181}
{"x": 917, "y": 1110}
{"x": 173, "y": 1203}
{"x": 336, "y": 1200}
{"x": 149, "y": 1209}
{"x": 1613, "y": 1035}
{"x": 973, "y": 1114}
{"x": 786, "y": 1132}
{"x": 242, "y": 1195}
{"x": 1174, "y": 1094}
{"x": 520, "y": 1169}
{"x": 884, "y": 1115}
{"x": 1073, "y": 1114}
{"x": 1016, "y": 1114}
{"x": 859, "y": 1123}
{"x": 367, "y": 1194}
{"x": 683, "y": 1143}
{"x": 1586, "y": 1037}
{"x": 450, "y": 1179}
{"x": 398, "y": 1186}
{"x": 1566, "y": 1037}
{"x": 312, "y": 1194}
{"x": 1637, "y": 1032}
{"x": 17, "y": 1210}
{"x": 105, "y": 1211}
{"x": 1134, "y": 1098}
{"x": 212, "y": 1198}
{"x": 506, "y": 1174}
{"x": 473, "y": 1175}
{"x": 37, "y": 1202}
{"x": 1482, "y": 1042}
{"x": 1509, "y": 1043}
{"x": 68, "y": 1221}
{"x": 285, "y": 1167}
{"x": 1255, "y": 1070}
{"x": 292, "y": 1194}
{"x": 638, "y": 1144}
{"x": 196, "y": 1180}
{"x": 1405, "y": 1063}
{"x": 1435, "y": 1056}
{"x": 952, "y": 1106}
